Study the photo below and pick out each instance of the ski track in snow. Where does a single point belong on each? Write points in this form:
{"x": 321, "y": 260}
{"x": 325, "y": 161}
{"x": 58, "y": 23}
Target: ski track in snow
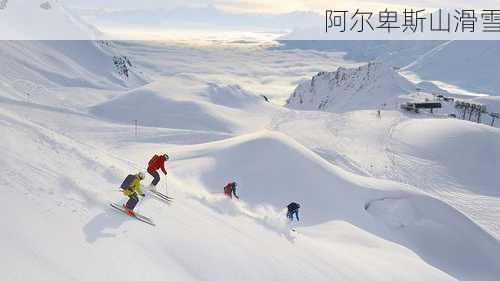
{"x": 483, "y": 209}
{"x": 390, "y": 164}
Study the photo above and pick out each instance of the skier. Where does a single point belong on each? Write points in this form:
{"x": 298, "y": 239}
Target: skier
{"x": 230, "y": 189}
{"x": 131, "y": 187}
{"x": 293, "y": 208}
{"x": 155, "y": 163}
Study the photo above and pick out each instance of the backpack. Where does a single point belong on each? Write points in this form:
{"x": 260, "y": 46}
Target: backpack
{"x": 228, "y": 189}
{"x": 127, "y": 182}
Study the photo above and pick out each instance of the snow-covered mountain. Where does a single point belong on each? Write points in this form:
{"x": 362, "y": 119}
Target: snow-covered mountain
{"x": 43, "y": 20}
{"x": 395, "y": 53}
{"x": 44, "y": 52}
{"x": 465, "y": 64}
{"x": 468, "y": 64}
{"x": 366, "y": 87}
{"x": 376, "y": 86}
{"x": 94, "y": 64}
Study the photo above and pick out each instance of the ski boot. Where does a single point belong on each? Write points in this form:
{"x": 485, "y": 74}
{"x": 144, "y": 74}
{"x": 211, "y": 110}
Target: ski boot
{"x": 130, "y": 212}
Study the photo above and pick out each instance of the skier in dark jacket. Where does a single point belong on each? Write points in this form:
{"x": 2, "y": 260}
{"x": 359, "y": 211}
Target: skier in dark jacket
{"x": 230, "y": 189}
{"x": 157, "y": 162}
{"x": 293, "y": 208}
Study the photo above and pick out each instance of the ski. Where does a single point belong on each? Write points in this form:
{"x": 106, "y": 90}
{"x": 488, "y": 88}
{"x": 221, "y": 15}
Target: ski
{"x": 161, "y": 195}
{"x": 136, "y": 215}
{"x": 162, "y": 199}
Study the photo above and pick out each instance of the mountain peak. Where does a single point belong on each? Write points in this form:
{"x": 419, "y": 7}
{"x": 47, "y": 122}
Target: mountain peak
{"x": 366, "y": 86}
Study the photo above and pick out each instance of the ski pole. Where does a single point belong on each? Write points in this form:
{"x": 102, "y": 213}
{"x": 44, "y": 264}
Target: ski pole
{"x": 166, "y": 185}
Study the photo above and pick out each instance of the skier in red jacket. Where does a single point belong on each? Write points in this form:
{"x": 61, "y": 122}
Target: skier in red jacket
{"x": 157, "y": 162}
{"x": 230, "y": 189}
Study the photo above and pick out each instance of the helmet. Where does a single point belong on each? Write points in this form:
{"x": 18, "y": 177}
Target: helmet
{"x": 166, "y": 156}
{"x": 141, "y": 175}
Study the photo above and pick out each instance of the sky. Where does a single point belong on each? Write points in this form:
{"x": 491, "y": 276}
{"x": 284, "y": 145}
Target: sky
{"x": 281, "y": 6}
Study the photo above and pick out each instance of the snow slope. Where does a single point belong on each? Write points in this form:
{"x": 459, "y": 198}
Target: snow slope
{"x": 394, "y": 53}
{"x": 400, "y": 226}
{"x": 370, "y": 210}
{"x": 68, "y": 210}
{"x": 43, "y": 20}
{"x": 212, "y": 107}
{"x": 451, "y": 160}
{"x": 329, "y": 193}
{"x": 336, "y": 223}
{"x": 466, "y": 64}
{"x": 463, "y": 159}
{"x": 492, "y": 102}
{"x": 45, "y": 45}
{"x": 468, "y": 151}
{"x": 86, "y": 64}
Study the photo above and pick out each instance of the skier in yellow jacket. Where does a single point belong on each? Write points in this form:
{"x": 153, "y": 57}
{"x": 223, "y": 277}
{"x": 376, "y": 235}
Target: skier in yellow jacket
{"x": 131, "y": 187}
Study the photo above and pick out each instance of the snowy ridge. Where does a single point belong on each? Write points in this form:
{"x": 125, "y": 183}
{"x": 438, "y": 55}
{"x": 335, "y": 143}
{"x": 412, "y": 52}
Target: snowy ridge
{"x": 90, "y": 64}
{"x": 462, "y": 158}
{"x": 38, "y": 20}
{"x": 212, "y": 107}
{"x": 454, "y": 63}
{"x": 365, "y": 87}
{"x": 61, "y": 53}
